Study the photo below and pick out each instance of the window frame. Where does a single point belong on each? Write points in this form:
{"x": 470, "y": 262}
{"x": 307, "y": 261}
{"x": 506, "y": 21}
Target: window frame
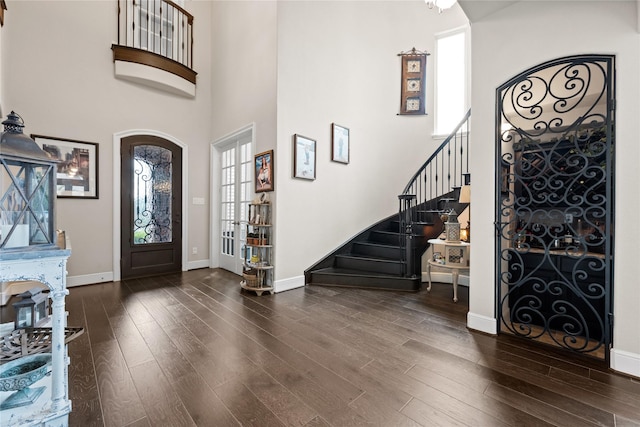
{"x": 466, "y": 30}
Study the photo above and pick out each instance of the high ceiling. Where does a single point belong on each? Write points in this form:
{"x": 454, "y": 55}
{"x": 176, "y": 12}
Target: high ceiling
{"x": 478, "y": 9}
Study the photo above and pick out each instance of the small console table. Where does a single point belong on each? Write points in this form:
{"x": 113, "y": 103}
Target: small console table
{"x": 454, "y": 256}
{"x": 48, "y": 267}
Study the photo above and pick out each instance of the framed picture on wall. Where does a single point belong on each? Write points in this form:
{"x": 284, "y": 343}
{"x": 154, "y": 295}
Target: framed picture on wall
{"x": 339, "y": 144}
{"x": 413, "y": 82}
{"x": 264, "y": 172}
{"x": 77, "y": 175}
{"x": 304, "y": 157}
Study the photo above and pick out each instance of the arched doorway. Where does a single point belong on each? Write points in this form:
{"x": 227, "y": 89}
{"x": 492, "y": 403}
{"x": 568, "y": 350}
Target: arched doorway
{"x": 150, "y": 206}
{"x": 554, "y": 205}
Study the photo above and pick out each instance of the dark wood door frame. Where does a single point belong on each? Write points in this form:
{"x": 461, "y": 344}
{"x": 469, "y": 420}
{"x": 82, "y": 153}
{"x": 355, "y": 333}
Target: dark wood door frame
{"x": 117, "y": 225}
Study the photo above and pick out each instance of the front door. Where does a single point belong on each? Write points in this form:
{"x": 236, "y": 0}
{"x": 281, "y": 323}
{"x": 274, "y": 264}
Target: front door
{"x": 235, "y": 194}
{"x": 151, "y": 206}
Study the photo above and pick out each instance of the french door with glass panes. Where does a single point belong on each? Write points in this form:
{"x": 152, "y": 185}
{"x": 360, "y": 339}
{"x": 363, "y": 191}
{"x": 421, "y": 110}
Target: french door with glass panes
{"x": 236, "y": 191}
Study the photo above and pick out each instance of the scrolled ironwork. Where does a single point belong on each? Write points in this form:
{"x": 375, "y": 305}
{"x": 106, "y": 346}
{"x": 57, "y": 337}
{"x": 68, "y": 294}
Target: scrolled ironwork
{"x": 554, "y": 221}
{"x": 152, "y": 194}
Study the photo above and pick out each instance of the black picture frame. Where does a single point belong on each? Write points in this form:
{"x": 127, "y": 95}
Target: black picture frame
{"x": 304, "y": 157}
{"x": 264, "y": 167}
{"x": 77, "y": 174}
{"x": 340, "y": 144}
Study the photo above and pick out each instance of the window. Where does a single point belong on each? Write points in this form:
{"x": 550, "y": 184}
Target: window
{"x": 452, "y": 79}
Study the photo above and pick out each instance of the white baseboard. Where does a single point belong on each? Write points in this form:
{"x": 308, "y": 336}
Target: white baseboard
{"x": 196, "y": 265}
{"x": 625, "y": 362}
{"x": 89, "y": 279}
{"x": 290, "y": 283}
{"x": 482, "y": 323}
{"x": 442, "y": 277}
{"x": 107, "y": 276}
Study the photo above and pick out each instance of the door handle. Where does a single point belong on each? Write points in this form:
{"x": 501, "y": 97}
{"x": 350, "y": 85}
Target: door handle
{"x": 236, "y": 223}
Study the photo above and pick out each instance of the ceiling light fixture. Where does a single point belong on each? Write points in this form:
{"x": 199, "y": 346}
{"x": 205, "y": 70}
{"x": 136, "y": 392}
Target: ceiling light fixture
{"x": 440, "y": 4}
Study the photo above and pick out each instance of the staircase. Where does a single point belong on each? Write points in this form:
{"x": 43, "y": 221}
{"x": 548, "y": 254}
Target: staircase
{"x": 388, "y": 254}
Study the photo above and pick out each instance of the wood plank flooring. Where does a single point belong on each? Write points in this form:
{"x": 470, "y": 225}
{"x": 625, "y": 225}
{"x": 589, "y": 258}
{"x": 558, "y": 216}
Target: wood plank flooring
{"x": 192, "y": 349}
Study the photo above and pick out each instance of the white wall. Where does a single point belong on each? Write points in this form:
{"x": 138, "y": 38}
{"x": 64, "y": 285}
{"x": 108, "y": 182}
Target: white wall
{"x": 2, "y": 112}
{"x": 58, "y": 74}
{"x": 243, "y": 82}
{"x": 337, "y": 62}
{"x": 512, "y": 40}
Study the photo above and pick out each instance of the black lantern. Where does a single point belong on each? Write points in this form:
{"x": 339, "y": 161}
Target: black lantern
{"x": 28, "y": 192}
{"x": 32, "y": 310}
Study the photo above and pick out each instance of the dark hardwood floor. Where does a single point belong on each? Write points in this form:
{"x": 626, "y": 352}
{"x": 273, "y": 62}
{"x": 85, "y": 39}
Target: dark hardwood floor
{"x": 192, "y": 349}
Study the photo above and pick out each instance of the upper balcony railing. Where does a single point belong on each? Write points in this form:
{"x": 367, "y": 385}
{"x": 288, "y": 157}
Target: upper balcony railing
{"x": 157, "y": 33}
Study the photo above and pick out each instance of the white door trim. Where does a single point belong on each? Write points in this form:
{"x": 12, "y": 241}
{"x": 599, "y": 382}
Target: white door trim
{"x": 214, "y": 188}
{"x": 116, "y": 194}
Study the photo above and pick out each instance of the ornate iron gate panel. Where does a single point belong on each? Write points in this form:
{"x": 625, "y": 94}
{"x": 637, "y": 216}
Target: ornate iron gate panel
{"x": 554, "y": 213}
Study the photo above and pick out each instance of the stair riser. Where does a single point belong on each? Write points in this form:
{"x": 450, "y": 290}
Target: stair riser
{"x": 366, "y": 282}
{"x": 374, "y": 266}
{"x": 417, "y": 228}
{"x": 377, "y": 251}
{"x": 384, "y": 238}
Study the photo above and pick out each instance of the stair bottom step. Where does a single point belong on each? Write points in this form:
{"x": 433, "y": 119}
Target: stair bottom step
{"x": 361, "y": 279}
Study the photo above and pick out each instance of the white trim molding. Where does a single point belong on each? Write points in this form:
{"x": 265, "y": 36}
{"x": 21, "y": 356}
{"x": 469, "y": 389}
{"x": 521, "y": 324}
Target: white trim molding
{"x": 89, "y": 279}
{"x": 288, "y": 284}
{"x": 116, "y": 194}
{"x": 154, "y": 77}
{"x": 625, "y": 362}
{"x": 482, "y": 323}
{"x": 196, "y": 265}
{"x": 214, "y": 187}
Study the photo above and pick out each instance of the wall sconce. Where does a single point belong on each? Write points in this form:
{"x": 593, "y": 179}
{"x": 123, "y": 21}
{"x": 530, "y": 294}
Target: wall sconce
{"x": 32, "y": 310}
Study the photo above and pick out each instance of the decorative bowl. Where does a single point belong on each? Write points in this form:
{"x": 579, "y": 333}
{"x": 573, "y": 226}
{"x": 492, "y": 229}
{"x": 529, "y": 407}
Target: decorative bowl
{"x": 17, "y": 375}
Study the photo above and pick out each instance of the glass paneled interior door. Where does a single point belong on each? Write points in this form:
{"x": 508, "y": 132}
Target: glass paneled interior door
{"x": 235, "y": 194}
{"x": 151, "y": 206}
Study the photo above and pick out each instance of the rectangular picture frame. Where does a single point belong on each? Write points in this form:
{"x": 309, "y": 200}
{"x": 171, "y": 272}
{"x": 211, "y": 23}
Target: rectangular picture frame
{"x": 77, "y": 174}
{"x": 340, "y": 144}
{"x": 304, "y": 157}
{"x": 263, "y": 166}
{"x": 413, "y": 82}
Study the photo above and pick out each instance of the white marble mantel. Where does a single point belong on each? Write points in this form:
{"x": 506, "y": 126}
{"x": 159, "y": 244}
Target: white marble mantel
{"x": 48, "y": 266}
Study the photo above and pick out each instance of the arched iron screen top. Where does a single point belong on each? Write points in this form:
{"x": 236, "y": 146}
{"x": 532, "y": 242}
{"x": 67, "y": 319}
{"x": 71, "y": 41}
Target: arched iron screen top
{"x": 152, "y": 195}
{"x": 554, "y": 214}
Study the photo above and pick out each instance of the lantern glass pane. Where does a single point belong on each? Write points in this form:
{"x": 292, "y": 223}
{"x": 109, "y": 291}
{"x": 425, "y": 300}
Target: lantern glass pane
{"x": 13, "y": 221}
{"x": 41, "y": 311}
{"x": 40, "y": 200}
{"x": 24, "y": 317}
{"x": 25, "y": 204}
